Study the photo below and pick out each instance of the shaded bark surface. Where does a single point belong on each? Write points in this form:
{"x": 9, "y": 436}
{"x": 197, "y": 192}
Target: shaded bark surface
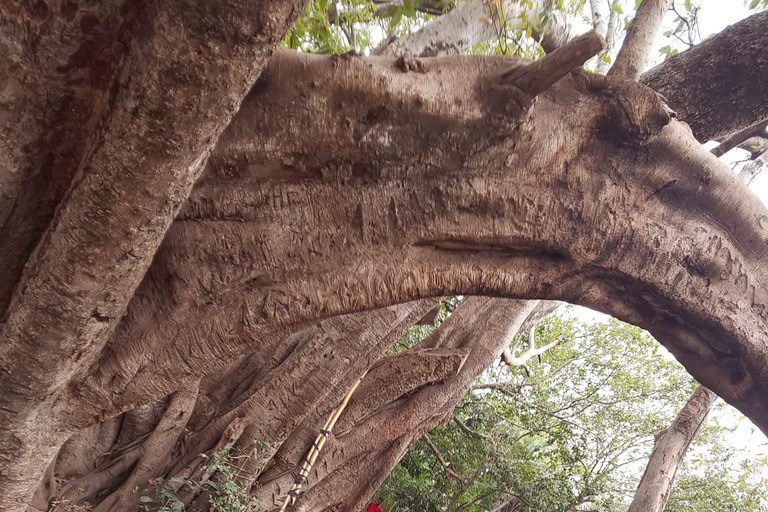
{"x": 726, "y": 75}
{"x": 153, "y": 125}
{"x": 485, "y": 223}
{"x": 393, "y": 408}
{"x": 262, "y": 397}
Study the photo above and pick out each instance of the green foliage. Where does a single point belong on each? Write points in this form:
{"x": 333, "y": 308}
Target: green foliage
{"x": 226, "y": 493}
{"x": 575, "y": 433}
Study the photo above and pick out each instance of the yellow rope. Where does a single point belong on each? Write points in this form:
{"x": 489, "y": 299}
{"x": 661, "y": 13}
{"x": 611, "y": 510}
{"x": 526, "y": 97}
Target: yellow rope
{"x": 320, "y": 440}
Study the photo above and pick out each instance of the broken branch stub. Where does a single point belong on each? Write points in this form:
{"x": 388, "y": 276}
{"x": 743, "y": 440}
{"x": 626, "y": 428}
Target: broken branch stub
{"x": 537, "y": 77}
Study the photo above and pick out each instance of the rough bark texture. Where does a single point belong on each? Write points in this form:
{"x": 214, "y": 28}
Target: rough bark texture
{"x": 668, "y": 453}
{"x": 342, "y": 185}
{"x": 394, "y": 407}
{"x": 161, "y": 99}
{"x": 263, "y": 396}
{"x": 718, "y": 86}
{"x": 486, "y": 223}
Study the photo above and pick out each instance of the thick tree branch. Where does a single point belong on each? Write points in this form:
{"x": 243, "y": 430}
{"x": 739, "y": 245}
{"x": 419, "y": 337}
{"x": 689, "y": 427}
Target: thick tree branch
{"x": 668, "y": 453}
{"x": 604, "y": 64}
{"x": 565, "y": 257}
{"x": 718, "y": 86}
{"x": 639, "y": 39}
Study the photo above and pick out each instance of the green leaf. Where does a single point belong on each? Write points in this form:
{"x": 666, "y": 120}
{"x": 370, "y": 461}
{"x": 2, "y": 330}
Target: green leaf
{"x": 606, "y": 58}
{"x": 616, "y": 7}
{"x": 688, "y": 6}
{"x": 754, "y": 4}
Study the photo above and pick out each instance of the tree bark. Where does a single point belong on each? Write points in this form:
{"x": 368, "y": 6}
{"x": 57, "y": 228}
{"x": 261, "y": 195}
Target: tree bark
{"x": 158, "y": 127}
{"x": 718, "y": 86}
{"x": 460, "y": 232}
{"x": 668, "y": 453}
{"x": 392, "y": 409}
{"x": 640, "y": 36}
{"x": 442, "y": 180}
{"x": 261, "y": 397}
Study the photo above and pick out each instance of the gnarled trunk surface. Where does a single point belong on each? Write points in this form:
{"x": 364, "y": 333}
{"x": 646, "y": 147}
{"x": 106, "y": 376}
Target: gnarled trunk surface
{"x": 504, "y": 200}
{"x": 342, "y": 185}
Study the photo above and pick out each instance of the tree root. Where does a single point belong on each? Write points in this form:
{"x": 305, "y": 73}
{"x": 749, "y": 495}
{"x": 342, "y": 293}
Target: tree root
{"x": 154, "y": 451}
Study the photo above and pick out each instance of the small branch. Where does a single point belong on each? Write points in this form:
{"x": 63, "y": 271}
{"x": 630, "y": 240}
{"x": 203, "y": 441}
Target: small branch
{"x": 537, "y": 77}
{"x": 446, "y": 465}
{"x": 753, "y": 168}
{"x": 464, "y": 428}
{"x": 613, "y": 19}
{"x": 531, "y": 352}
{"x": 639, "y": 40}
{"x": 503, "y": 387}
{"x": 737, "y": 138}
{"x": 598, "y": 17}
{"x": 452, "y": 505}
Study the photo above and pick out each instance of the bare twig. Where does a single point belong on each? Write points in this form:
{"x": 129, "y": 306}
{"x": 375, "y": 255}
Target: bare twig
{"x": 503, "y": 387}
{"x": 637, "y": 44}
{"x": 452, "y": 505}
{"x": 446, "y": 465}
{"x": 531, "y": 352}
{"x": 464, "y": 428}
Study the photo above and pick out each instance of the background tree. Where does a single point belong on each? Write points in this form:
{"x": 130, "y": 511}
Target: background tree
{"x": 574, "y": 434}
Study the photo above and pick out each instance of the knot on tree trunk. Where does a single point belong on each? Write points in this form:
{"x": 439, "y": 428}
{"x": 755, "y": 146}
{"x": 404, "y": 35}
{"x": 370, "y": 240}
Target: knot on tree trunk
{"x": 635, "y": 114}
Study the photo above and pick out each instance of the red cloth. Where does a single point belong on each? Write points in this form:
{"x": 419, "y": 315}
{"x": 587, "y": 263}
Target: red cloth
{"x": 374, "y": 507}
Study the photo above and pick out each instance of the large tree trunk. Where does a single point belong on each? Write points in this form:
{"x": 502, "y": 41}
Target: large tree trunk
{"x": 668, "y": 453}
{"x": 154, "y": 122}
{"x": 443, "y": 179}
{"x": 486, "y": 223}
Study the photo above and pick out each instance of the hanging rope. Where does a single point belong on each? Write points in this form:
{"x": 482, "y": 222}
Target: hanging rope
{"x": 322, "y": 437}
